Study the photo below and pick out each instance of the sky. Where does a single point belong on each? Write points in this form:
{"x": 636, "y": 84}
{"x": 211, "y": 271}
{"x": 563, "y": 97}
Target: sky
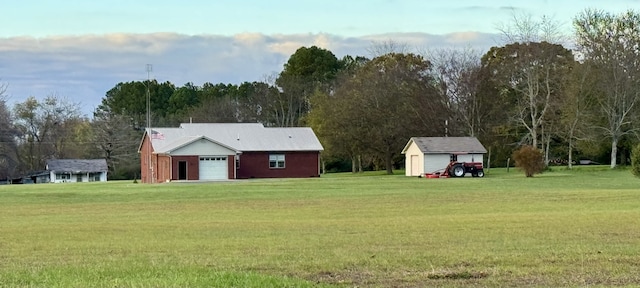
{"x": 78, "y": 49}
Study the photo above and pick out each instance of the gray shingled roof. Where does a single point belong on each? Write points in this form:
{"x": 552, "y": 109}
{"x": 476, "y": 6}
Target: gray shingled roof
{"x": 77, "y": 165}
{"x": 431, "y": 145}
{"x": 236, "y": 136}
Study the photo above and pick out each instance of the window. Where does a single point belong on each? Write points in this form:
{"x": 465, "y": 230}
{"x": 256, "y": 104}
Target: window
{"x": 62, "y": 176}
{"x": 276, "y": 161}
{"x": 213, "y": 158}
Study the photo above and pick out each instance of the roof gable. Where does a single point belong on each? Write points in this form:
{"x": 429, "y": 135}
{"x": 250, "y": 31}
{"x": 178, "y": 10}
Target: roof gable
{"x": 77, "y": 165}
{"x": 186, "y": 141}
{"x": 450, "y": 145}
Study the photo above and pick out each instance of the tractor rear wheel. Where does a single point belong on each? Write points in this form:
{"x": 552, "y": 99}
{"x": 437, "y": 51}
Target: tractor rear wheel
{"x": 457, "y": 170}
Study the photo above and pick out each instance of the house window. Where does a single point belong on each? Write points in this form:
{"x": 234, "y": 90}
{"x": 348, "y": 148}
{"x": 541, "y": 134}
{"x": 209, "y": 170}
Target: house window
{"x": 276, "y": 161}
{"x": 62, "y": 176}
{"x": 94, "y": 177}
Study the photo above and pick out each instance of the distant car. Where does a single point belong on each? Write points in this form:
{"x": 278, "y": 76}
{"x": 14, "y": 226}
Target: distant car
{"x": 588, "y": 162}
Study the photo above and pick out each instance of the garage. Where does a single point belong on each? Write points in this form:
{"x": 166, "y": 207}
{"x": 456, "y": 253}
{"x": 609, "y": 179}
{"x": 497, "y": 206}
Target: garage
{"x": 213, "y": 168}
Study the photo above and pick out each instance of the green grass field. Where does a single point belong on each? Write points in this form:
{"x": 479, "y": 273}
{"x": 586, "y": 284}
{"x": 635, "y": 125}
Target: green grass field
{"x": 578, "y": 228}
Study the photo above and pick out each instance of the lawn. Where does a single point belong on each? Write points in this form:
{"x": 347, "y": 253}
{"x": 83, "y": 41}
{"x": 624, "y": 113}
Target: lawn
{"x": 561, "y": 228}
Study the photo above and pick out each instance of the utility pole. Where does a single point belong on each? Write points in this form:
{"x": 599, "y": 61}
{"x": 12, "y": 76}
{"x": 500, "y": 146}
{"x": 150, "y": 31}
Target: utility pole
{"x": 446, "y": 128}
{"x": 150, "y": 168}
{"x": 149, "y": 69}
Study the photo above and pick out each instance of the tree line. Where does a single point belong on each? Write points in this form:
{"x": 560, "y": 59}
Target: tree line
{"x": 568, "y": 103}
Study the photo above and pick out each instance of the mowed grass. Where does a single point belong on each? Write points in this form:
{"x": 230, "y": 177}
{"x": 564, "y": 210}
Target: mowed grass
{"x": 561, "y": 228}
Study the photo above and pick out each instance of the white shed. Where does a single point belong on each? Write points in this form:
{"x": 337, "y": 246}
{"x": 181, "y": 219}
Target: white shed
{"x": 433, "y": 154}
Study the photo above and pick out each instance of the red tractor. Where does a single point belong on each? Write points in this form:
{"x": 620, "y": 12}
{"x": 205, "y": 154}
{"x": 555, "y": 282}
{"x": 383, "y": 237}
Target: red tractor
{"x": 459, "y": 169}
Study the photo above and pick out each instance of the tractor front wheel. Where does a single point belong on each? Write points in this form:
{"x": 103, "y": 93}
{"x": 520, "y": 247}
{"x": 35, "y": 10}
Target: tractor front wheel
{"x": 457, "y": 170}
{"x": 480, "y": 173}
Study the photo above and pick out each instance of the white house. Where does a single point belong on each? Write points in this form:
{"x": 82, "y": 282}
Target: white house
{"x": 77, "y": 170}
{"x": 433, "y": 154}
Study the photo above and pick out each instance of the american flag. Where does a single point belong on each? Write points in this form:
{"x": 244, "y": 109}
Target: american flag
{"x": 157, "y": 135}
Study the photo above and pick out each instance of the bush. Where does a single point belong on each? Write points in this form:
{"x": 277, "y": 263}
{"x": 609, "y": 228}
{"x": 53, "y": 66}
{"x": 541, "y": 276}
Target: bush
{"x": 529, "y": 159}
{"x": 635, "y": 160}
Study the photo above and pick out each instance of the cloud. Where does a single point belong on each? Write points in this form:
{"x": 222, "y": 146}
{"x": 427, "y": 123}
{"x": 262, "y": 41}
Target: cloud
{"x": 490, "y": 9}
{"x": 83, "y": 68}
{"x": 510, "y": 8}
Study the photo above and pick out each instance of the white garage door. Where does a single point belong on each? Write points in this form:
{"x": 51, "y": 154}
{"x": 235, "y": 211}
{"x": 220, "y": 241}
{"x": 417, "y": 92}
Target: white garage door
{"x": 213, "y": 168}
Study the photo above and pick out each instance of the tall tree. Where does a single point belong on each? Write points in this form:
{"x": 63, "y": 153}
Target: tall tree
{"x": 378, "y": 108}
{"x": 380, "y": 48}
{"x": 28, "y": 122}
{"x": 609, "y": 44}
{"x": 253, "y": 99}
{"x": 219, "y": 104}
{"x": 460, "y": 77}
{"x": 8, "y": 133}
{"x": 328, "y": 113}
{"x": 129, "y": 99}
{"x": 116, "y": 140}
{"x": 182, "y": 99}
{"x": 306, "y": 70}
{"x": 533, "y": 77}
{"x": 46, "y": 128}
{"x": 337, "y": 125}
{"x": 576, "y": 109}
{"x": 523, "y": 28}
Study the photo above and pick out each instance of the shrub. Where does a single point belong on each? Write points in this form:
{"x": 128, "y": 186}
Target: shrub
{"x": 529, "y": 159}
{"x": 635, "y": 160}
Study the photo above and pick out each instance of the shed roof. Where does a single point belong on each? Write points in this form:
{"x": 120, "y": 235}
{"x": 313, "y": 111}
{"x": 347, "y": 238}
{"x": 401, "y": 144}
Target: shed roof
{"x": 450, "y": 145}
{"x": 77, "y": 165}
{"x": 235, "y": 136}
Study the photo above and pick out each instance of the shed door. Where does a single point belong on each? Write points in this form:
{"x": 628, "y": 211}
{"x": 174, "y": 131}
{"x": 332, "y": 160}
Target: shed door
{"x": 213, "y": 168}
{"x": 415, "y": 165}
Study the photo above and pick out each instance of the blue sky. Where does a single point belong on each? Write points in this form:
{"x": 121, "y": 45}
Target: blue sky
{"x": 81, "y": 49}
{"x": 349, "y": 18}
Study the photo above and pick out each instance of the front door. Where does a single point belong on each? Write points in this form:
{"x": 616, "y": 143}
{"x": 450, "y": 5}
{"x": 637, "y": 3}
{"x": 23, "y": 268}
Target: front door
{"x": 182, "y": 170}
{"x": 415, "y": 165}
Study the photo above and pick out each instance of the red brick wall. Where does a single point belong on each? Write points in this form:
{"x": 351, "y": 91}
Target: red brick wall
{"x": 231, "y": 166}
{"x": 159, "y": 170}
{"x": 252, "y": 165}
{"x": 164, "y": 169}
{"x": 154, "y": 168}
{"x": 145, "y": 151}
{"x": 297, "y": 165}
{"x": 192, "y": 167}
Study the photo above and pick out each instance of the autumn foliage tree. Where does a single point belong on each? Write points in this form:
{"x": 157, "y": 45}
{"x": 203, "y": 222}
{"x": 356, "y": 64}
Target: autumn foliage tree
{"x": 532, "y": 76}
{"x": 8, "y": 147}
{"x": 374, "y": 110}
{"x": 530, "y": 159}
{"x": 609, "y": 43}
{"x": 45, "y": 130}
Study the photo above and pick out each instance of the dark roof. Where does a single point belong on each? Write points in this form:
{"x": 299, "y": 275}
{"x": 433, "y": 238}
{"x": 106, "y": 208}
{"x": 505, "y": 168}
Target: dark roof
{"x": 451, "y": 145}
{"x": 77, "y": 165}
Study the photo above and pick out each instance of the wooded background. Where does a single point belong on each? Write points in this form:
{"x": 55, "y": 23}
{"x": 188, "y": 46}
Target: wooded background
{"x": 572, "y": 103}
